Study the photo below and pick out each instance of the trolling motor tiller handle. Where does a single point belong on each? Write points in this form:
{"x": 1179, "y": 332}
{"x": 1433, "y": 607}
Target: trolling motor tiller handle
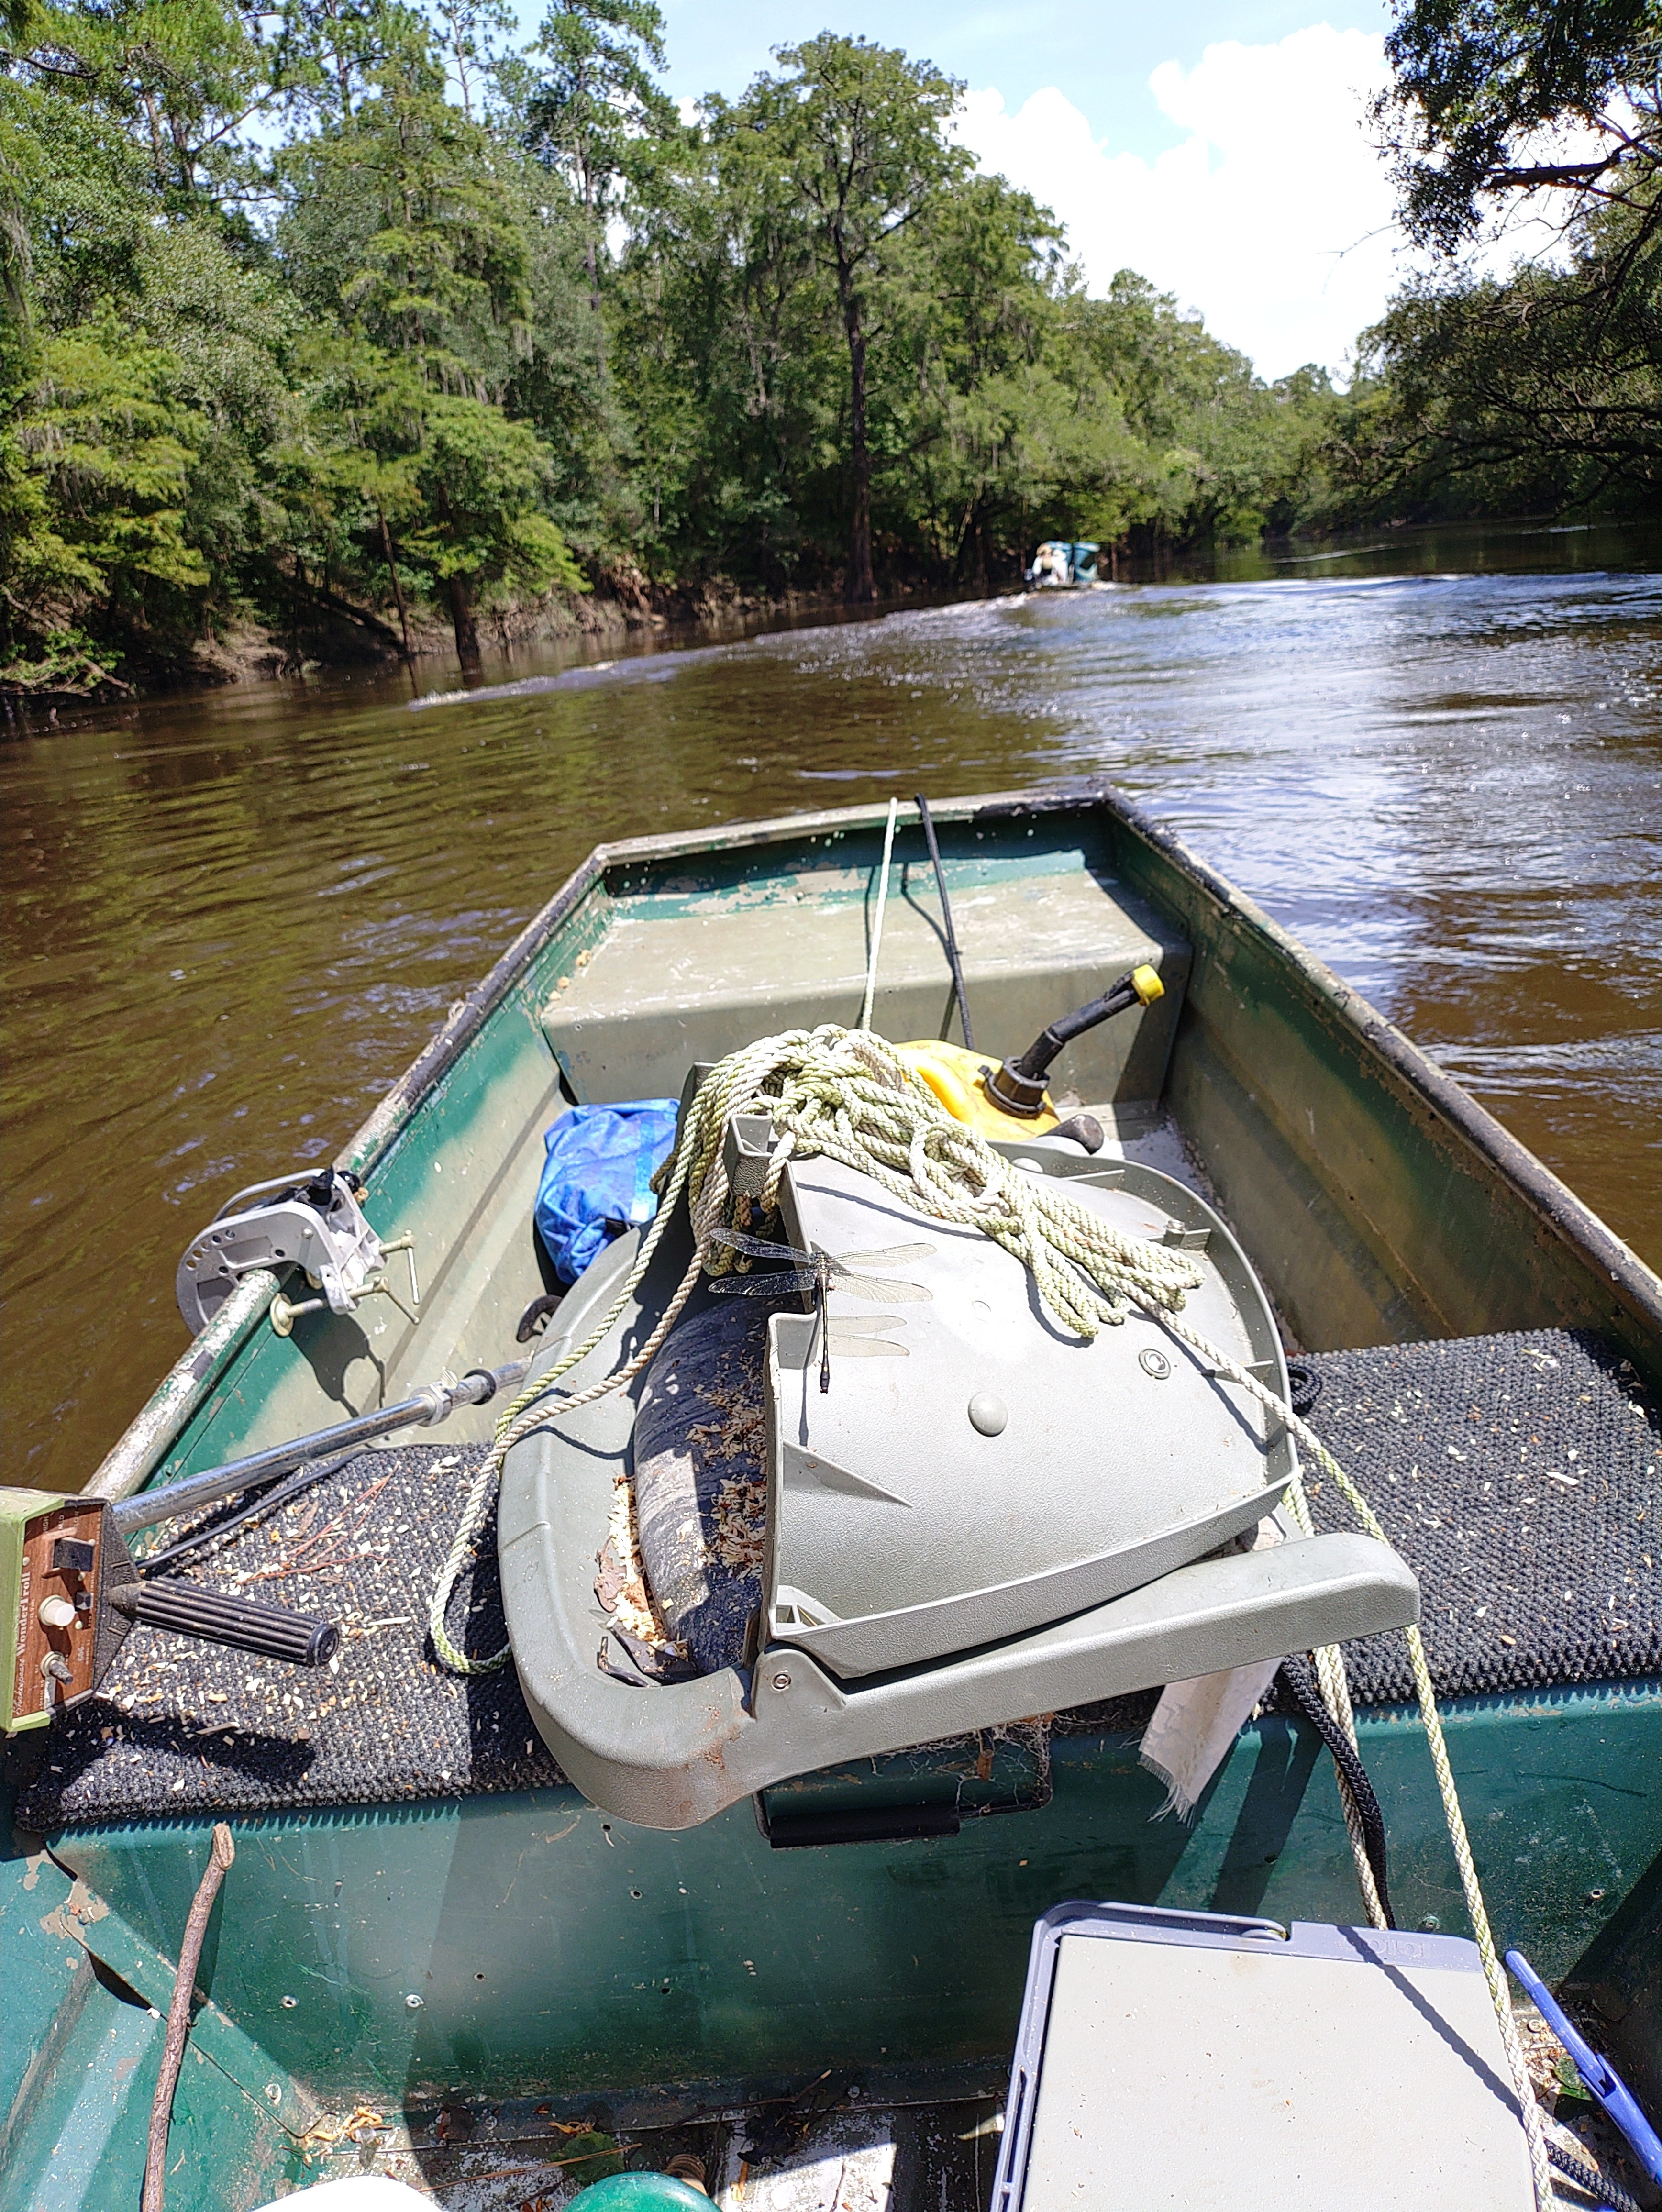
{"x": 70, "y": 1594}
{"x": 187, "y": 1609}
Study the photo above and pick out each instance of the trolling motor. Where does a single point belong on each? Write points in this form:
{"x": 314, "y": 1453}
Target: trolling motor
{"x": 1018, "y": 1085}
{"x": 71, "y": 1594}
{"x": 70, "y": 1589}
{"x": 312, "y": 1220}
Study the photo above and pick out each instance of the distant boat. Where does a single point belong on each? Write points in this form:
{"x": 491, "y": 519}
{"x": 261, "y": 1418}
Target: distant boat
{"x": 1060, "y": 563}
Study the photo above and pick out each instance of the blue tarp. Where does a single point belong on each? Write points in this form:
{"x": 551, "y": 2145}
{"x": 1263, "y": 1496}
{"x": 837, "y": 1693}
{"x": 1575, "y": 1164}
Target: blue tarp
{"x": 595, "y": 1178}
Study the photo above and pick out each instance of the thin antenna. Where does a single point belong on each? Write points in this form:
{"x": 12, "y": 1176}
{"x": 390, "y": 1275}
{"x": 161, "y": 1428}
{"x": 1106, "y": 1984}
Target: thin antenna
{"x": 922, "y": 805}
{"x": 865, "y": 1021}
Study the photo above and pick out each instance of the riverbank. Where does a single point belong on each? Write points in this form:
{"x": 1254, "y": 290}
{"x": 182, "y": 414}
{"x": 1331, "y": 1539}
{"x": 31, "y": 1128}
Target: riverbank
{"x": 628, "y": 611}
{"x": 330, "y": 635}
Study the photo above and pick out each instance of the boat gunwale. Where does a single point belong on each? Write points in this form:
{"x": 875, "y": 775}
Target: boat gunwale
{"x": 133, "y": 1458}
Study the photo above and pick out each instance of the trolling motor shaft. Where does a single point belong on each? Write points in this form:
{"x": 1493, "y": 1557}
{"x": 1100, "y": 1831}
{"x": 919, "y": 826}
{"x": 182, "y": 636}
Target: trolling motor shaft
{"x": 1018, "y": 1086}
{"x": 432, "y": 1403}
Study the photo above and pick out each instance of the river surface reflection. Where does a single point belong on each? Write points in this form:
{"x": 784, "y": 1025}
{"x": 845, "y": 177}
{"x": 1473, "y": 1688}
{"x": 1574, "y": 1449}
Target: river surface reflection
{"x": 231, "y": 918}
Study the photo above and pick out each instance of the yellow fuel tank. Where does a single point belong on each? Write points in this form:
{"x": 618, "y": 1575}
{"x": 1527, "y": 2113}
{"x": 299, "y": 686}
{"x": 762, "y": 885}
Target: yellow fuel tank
{"x": 955, "y": 1075}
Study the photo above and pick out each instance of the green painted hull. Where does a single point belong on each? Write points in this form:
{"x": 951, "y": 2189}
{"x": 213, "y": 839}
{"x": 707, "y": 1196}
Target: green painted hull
{"x": 563, "y": 1964}
{"x": 572, "y": 1963}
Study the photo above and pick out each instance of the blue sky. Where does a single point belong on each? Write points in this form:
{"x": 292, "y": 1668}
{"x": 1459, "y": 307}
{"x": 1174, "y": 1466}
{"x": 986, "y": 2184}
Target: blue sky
{"x": 1222, "y": 151}
{"x": 1101, "y": 55}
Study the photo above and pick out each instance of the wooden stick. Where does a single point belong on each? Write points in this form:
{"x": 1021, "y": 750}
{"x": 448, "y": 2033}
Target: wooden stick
{"x": 179, "y": 2015}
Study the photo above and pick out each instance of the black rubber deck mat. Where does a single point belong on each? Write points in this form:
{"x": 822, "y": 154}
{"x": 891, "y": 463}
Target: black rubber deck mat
{"x": 183, "y": 1727}
{"x": 1518, "y": 1477}
{"x": 1517, "y": 1474}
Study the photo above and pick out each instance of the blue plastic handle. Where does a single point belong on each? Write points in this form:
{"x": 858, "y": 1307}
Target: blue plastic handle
{"x": 1602, "y": 2080}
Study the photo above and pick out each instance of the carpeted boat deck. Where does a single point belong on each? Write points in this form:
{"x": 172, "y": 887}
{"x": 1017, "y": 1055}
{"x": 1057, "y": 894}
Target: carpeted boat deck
{"x": 1516, "y": 1473}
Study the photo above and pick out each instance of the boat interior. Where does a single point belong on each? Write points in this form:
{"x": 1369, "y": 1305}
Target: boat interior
{"x": 1476, "y": 1348}
{"x": 1371, "y": 1211}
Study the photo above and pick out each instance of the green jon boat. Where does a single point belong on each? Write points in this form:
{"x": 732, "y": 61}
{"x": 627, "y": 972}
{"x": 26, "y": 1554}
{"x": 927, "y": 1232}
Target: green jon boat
{"x": 436, "y": 1957}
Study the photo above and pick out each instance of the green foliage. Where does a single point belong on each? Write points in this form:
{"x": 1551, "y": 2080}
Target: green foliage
{"x": 96, "y": 468}
{"x": 344, "y": 312}
{"x": 1530, "y": 396}
{"x": 858, "y": 134}
{"x": 480, "y": 479}
{"x": 592, "y": 111}
{"x": 328, "y": 56}
{"x": 184, "y": 78}
{"x": 1538, "y": 392}
{"x": 470, "y": 34}
{"x": 1482, "y": 85}
{"x": 401, "y": 224}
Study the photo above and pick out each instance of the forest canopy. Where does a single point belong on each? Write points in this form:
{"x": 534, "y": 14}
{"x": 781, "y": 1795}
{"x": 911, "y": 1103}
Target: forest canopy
{"x": 349, "y": 314}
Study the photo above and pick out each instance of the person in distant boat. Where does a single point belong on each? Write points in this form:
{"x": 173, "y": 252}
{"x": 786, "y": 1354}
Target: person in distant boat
{"x": 1049, "y": 565}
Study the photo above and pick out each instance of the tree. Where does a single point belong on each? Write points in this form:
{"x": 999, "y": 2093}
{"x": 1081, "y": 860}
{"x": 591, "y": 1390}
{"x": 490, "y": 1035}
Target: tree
{"x": 329, "y": 56}
{"x": 365, "y": 369}
{"x": 595, "y": 99}
{"x": 183, "y": 77}
{"x": 1527, "y": 396}
{"x": 403, "y": 223}
{"x": 468, "y": 30}
{"x": 859, "y": 131}
{"x": 1539, "y": 391}
{"x": 963, "y": 375}
{"x": 438, "y": 484}
{"x": 1484, "y": 85}
{"x": 97, "y": 467}
{"x": 483, "y": 480}
{"x": 724, "y": 298}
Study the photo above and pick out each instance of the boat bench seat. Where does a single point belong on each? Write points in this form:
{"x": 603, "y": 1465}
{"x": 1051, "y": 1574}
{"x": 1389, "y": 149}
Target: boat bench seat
{"x": 1516, "y": 1473}
{"x": 679, "y": 975}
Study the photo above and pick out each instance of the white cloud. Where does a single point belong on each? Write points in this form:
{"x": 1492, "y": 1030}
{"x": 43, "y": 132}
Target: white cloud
{"x": 1274, "y": 216}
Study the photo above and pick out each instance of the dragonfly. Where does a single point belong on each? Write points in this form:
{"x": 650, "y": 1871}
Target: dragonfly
{"x": 819, "y": 1273}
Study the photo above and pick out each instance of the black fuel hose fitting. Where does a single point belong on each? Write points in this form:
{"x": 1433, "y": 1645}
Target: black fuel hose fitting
{"x": 1018, "y": 1086}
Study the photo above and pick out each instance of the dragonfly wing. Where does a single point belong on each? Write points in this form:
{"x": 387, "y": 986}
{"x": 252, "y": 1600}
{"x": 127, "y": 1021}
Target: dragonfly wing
{"x": 889, "y": 1255}
{"x": 760, "y": 1247}
{"x": 848, "y": 1345}
{"x": 847, "y": 1271}
{"x": 880, "y": 1286}
{"x": 779, "y": 1286}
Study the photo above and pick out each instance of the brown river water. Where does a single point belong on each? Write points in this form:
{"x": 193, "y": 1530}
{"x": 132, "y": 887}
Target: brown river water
{"x": 232, "y": 918}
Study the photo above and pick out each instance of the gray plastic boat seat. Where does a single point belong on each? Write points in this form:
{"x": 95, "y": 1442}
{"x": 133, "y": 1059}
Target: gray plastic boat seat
{"x": 1145, "y": 1609}
{"x": 171, "y": 1736}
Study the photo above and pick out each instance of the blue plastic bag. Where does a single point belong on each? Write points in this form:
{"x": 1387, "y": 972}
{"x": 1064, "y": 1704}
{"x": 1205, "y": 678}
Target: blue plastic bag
{"x": 596, "y": 1176}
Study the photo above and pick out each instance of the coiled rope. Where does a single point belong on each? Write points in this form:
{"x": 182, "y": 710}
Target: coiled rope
{"x": 844, "y": 1095}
